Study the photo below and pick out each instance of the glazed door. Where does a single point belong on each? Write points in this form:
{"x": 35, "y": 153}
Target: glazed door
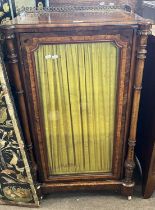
{"x": 77, "y": 86}
{"x": 76, "y": 95}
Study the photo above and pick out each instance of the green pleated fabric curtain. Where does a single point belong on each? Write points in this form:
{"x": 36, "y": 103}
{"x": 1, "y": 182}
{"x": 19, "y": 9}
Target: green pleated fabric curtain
{"x": 77, "y": 86}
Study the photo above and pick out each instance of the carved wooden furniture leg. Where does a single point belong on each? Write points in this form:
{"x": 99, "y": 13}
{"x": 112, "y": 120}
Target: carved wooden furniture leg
{"x": 145, "y": 149}
{"x": 14, "y": 67}
{"x": 128, "y": 183}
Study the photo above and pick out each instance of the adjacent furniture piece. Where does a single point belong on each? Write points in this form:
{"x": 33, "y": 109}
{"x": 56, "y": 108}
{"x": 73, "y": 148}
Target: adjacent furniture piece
{"x": 16, "y": 184}
{"x": 7, "y": 10}
{"x": 146, "y": 125}
{"x": 76, "y": 73}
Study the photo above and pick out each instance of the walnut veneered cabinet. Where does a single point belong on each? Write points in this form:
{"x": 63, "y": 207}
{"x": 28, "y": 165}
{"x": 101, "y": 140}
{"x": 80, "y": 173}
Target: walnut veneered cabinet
{"x": 76, "y": 73}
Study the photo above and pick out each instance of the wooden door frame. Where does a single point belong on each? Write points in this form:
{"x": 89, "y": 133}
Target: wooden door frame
{"x": 29, "y": 45}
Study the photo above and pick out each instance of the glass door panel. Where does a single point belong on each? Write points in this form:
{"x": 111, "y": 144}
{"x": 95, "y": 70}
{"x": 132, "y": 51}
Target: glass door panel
{"x": 77, "y": 87}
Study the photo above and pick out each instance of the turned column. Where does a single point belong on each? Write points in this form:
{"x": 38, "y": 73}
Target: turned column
{"x": 19, "y": 92}
{"x": 128, "y": 184}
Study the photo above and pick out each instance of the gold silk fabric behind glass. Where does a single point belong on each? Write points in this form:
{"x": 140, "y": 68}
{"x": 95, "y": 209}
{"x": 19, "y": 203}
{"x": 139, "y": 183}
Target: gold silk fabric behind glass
{"x": 77, "y": 86}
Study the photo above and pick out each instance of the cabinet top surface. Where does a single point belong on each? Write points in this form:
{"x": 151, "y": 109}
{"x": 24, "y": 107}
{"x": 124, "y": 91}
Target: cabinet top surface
{"x": 68, "y": 17}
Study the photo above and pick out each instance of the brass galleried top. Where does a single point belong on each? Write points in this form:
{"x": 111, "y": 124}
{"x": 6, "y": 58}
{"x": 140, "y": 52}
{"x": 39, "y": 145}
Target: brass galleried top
{"x": 74, "y": 15}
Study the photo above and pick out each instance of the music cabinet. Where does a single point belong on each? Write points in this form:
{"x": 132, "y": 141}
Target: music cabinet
{"x": 76, "y": 74}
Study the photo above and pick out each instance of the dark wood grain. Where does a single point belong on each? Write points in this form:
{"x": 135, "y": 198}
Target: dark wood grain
{"x": 141, "y": 55}
{"x": 19, "y": 93}
{"x": 129, "y": 33}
